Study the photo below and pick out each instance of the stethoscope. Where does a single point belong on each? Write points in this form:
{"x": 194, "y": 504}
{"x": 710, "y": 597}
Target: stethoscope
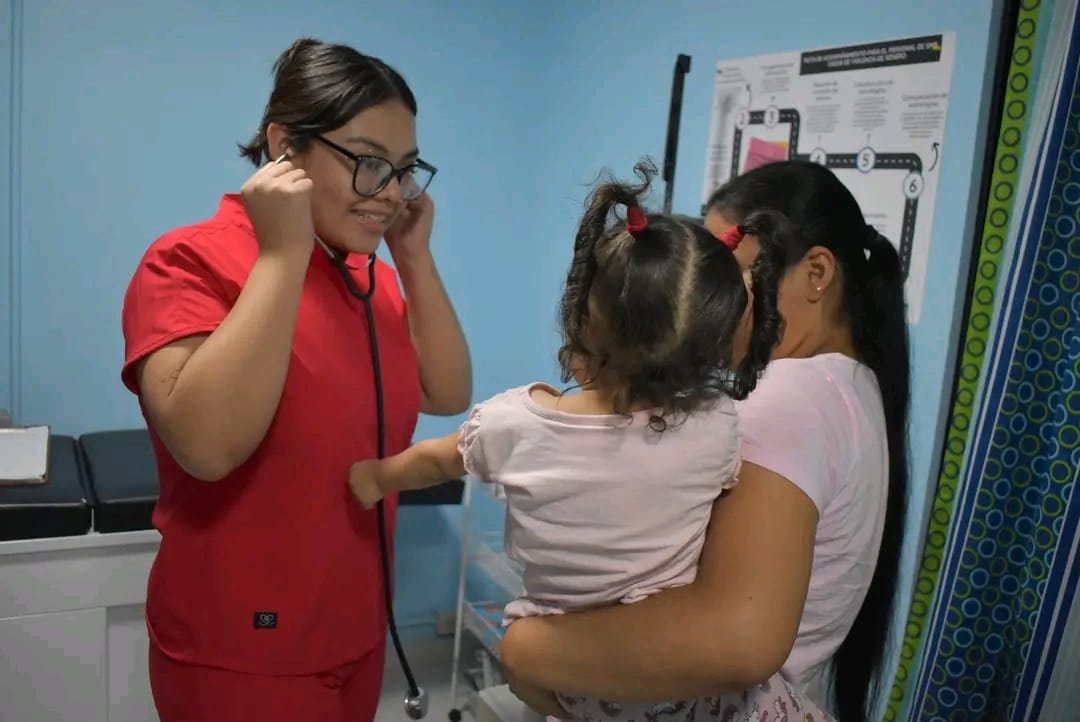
{"x": 416, "y": 697}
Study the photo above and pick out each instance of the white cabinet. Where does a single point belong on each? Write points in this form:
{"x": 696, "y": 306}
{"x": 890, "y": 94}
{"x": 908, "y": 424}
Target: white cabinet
{"x": 73, "y": 643}
{"x": 52, "y": 667}
{"x": 128, "y": 647}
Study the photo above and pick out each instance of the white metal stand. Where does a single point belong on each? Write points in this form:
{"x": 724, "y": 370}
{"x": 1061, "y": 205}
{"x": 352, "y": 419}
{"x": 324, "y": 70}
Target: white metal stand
{"x": 482, "y": 620}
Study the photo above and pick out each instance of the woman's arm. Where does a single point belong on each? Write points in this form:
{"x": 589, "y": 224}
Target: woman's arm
{"x": 211, "y": 398}
{"x": 425, "y": 464}
{"x": 445, "y": 367}
{"x": 733, "y": 627}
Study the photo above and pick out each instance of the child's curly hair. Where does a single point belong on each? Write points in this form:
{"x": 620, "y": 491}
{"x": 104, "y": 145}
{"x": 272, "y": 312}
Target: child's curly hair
{"x": 652, "y": 315}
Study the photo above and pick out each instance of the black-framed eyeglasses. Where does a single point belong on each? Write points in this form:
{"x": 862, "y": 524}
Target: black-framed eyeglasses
{"x": 371, "y": 173}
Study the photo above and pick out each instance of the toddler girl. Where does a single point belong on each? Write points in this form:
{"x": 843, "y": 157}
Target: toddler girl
{"x": 609, "y": 490}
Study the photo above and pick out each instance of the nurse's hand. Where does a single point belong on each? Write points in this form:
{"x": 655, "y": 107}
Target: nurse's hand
{"x": 277, "y": 198}
{"x": 410, "y": 235}
{"x": 364, "y": 482}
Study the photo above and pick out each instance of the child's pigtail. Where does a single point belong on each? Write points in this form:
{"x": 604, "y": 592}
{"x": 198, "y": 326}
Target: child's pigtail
{"x": 574, "y": 307}
{"x": 773, "y": 232}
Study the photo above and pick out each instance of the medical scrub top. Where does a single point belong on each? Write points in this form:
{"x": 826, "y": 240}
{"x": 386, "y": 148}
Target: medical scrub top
{"x": 274, "y": 569}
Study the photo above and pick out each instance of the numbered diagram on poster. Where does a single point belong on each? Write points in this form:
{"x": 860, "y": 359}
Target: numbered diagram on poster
{"x": 873, "y": 113}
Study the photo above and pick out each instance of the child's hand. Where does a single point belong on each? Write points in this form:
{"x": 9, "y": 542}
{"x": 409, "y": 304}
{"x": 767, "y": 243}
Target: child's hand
{"x": 364, "y": 482}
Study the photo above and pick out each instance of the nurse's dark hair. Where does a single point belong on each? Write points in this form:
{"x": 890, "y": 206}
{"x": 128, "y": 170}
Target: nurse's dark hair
{"x": 825, "y": 214}
{"x": 319, "y": 87}
{"x": 649, "y": 314}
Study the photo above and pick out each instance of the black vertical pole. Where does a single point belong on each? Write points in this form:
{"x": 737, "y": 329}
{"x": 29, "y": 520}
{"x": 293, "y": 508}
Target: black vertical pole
{"x": 682, "y": 67}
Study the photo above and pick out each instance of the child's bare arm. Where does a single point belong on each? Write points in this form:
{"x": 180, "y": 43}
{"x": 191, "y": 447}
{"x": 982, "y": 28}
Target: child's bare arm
{"x": 424, "y": 464}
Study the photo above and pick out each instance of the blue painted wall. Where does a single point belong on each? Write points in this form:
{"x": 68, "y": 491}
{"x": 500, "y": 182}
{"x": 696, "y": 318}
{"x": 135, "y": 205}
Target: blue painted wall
{"x": 123, "y": 119}
{"x": 9, "y": 52}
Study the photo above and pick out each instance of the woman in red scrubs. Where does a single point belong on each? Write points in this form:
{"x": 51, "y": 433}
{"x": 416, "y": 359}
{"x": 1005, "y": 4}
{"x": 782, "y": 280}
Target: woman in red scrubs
{"x": 253, "y": 368}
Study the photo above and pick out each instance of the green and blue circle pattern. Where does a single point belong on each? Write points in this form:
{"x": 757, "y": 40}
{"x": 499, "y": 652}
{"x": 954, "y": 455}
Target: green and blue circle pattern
{"x": 1023, "y": 497}
{"x": 1004, "y": 179}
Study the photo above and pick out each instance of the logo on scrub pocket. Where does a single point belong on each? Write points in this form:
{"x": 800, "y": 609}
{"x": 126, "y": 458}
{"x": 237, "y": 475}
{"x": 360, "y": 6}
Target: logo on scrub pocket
{"x": 265, "y": 620}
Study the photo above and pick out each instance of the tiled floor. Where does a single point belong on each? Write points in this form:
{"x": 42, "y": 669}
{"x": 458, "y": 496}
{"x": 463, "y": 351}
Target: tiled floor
{"x": 432, "y": 661}
{"x": 431, "y": 664}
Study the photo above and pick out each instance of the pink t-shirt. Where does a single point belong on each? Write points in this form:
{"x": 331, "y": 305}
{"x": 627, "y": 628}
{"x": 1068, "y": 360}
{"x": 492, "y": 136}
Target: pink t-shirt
{"x": 600, "y": 508}
{"x": 819, "y": 423}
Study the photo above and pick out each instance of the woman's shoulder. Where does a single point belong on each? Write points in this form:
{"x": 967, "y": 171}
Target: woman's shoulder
{"x": 220, "y": 245}
{"x": 828, "y": 382}
{"x": 801, "y": 420}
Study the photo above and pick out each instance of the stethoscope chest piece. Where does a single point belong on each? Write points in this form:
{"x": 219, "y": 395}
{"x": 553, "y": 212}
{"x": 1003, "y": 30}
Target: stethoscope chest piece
{"x": 416, "y": 705}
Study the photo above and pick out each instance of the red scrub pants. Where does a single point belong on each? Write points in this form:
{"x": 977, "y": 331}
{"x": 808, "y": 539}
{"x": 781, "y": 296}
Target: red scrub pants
{"x": 188, "y": 693}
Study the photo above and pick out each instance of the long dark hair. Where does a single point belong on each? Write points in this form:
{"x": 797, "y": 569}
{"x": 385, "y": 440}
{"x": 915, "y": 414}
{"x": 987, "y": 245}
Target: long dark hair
{"x": 651, "y": 313}
{"x": 319, "y": 87}
{"x": 825, "y": 213}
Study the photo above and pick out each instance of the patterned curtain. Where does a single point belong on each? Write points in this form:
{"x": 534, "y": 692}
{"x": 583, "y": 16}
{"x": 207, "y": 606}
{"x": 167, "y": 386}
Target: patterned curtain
{"x": 999, "y": 568}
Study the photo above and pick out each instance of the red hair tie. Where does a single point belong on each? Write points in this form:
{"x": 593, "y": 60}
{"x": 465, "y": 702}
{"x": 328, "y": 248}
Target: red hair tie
{"x": 636, "y": 220}
{"x": 732, "y": 237}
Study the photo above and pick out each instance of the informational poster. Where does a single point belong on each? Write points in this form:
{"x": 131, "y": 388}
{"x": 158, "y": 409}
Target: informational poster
{"x": 873, "y": 113}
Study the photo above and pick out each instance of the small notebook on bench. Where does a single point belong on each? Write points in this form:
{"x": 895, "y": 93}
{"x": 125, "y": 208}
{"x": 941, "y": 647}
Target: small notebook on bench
{"x": 24, "y": 455}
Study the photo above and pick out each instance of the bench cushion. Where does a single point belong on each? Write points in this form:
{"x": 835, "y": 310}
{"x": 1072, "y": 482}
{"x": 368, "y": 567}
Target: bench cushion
{"x": 122, "y": 478}
{"x": 54, "y": 509}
